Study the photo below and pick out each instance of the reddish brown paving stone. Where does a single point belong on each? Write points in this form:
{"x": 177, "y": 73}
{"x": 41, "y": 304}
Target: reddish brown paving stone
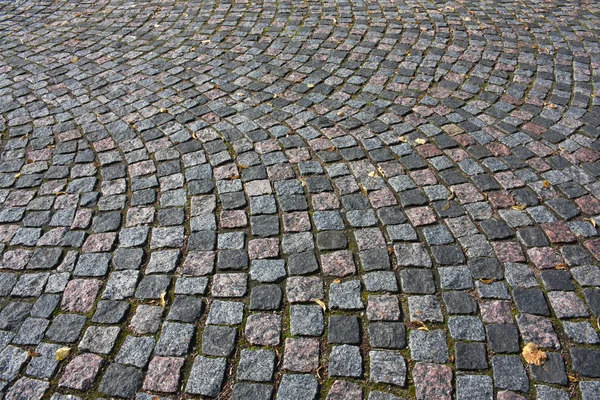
{"x": 344, "y": 390}
{"x": 432, "y": 381}
{"x": 508, "y": 252}
{"x": 537, "y": 330}
{"x": 301, "y": 354}
{"x": 421, "y": 216}
{"x": 263, "y": 248}
{"x": 594, "y": 247}
{"x": 80, "y": 294}
{"x": 559, "y": 233}
{"x": 81, "y": 372}
{"x": 296, "y": 222}
{"x": 382, "y": 198}
{"x": 501, "y": 199}
{"x": 263, "y": 329}
{"x": 338, "y": 263}
{"x": 588, "y": 205}
{"x": 198, "y": 263}
{"x": 233, "y": 219}
{"x": 496, "y": 312}
{"x": 544, "y": 257}
{"x": 163, "y": 374}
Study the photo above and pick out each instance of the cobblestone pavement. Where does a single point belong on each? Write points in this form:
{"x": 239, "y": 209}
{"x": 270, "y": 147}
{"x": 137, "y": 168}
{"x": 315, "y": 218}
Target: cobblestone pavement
{"x": 299, "y": 199}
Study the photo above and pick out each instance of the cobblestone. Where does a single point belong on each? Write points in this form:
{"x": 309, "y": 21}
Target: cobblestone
{"x": 252, "y": 200}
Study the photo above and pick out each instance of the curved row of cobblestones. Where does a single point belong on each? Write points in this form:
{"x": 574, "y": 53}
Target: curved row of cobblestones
{"x": 299, "y": 199}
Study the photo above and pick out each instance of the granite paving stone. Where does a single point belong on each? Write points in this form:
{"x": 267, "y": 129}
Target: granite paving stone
{"x": 257, "y": 200}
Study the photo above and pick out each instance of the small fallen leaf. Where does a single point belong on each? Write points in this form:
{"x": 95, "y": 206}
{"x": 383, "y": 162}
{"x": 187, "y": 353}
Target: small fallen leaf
{"x": 63, "y": 353}
{"x": 519, "y": 207}
{"x": 162, "y": 299}
{"x": 452, "y": 194}
{"x": 18, "y": 175}
{"x": 75, "y": 59}
{"x": 60, "y": 193}
{"x": 420, "y": 325}
{"x": 546, "y": 184}
{"x": 33, "y": 353}
{"x": 561, "y": 266}
{"x": 206, "y": 41}
{"x": 320, "y": 303}
{"x": 29, "y": 161}
{"x": 336, "y": 281}
{"x": 420, "y": 141}
{"x": 235, "y": 177}
{"x": 486, "y": 281}
{"x": 591, "y": 221}
{"x": 242, "y": 166}
{"x": 373, "y": 174}
{"x": 403, "y": 139}
{"x": 552, "y": 105}
{"x": 310, "y": 85}
{"x": 162, "y": 110}
{"x": 339, "y": 113}
{"x": 533, "y": 355}
{"x": 573, "y": 378}
{"x": 446, "y": 206}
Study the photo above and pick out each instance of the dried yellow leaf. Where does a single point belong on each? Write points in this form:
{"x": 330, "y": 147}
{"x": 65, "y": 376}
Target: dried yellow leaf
{"x": 162, "y": 299}
{"x": 452, "y": 194}
{"x": 33, "y": 353}
{"x": 75, "y": 59}
{"x": 403, "y": 139}
{"x": 420, "y": 141}
{"x": 591, "y": 221}
{"x": 519, "y": 207}
{"x": 310, "y": 85}
{"x": 162, "y": 109}
{"x": 63, "y": 353}
{"x": 533, "y": 355}
{"x": 561, "y": 266}
{"x": 320, "y": 303}
{"x": 420, "y": 325}
{"x": 18, "y": 175}
{"x": 373, "y": 174}
{"x": 486, "y": 281}
{"x": 546, "y": 184}
{"x": 446, "y": 206}
{"x": 206, "y": 41}
{"x": 573, "y": 378}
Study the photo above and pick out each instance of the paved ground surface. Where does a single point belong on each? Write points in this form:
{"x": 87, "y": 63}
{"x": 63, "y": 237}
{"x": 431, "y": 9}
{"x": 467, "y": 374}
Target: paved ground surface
{"x": 299, "y": 200}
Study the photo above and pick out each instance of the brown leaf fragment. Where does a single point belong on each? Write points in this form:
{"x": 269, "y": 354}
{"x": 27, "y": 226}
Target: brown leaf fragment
{"x": 420, "y": 325}
{"x": 63, "y": 353}
{"x": 321, "y": 304}
{"x": 533, "y": 355}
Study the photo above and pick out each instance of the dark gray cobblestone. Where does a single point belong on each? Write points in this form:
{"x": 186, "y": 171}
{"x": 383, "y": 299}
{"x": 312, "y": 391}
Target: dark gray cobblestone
{"x": 299, "y": 200}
